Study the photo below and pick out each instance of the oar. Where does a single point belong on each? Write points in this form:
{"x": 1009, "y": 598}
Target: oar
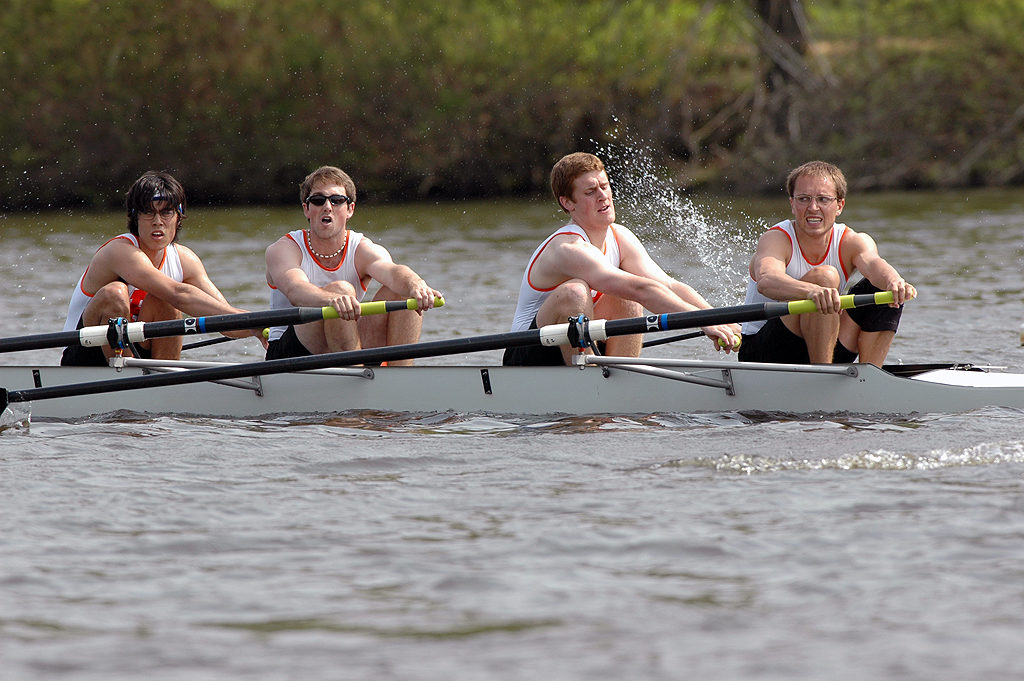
{"x": 652, "y": 342}
{"x": 97, "y": 336}
{"x": 579, "y": 334}
{"x": 845, "y": 302}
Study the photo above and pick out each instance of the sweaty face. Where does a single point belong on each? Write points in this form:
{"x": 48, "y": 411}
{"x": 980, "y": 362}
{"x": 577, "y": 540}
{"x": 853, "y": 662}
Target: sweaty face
{"x": 814, "y": 203}
{"x": 329, "y": 215}
{"x": 158, "y": 224}
{"x": 591, "y": 204}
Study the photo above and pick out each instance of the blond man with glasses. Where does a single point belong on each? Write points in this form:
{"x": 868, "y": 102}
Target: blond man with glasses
{"x": 813, "y": 257}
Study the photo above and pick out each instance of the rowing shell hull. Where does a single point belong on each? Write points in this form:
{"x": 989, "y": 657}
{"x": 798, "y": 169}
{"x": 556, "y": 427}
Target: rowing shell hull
{"x": 534, "y": 390}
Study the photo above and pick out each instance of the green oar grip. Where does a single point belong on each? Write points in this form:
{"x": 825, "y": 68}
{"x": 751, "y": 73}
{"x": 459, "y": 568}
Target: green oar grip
{"x": 382, "y": 307}
{"x": 845, "y": 302}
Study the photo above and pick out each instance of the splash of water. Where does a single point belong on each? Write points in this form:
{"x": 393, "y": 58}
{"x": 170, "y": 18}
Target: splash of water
{"x": 704, "y": 247}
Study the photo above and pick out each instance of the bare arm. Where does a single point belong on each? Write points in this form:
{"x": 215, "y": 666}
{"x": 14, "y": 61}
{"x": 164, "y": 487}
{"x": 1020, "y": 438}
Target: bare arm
{"x": 635, "y": 259}
{"x": 121, "y": 260}
{"x": 768, "y": 269}
{"x": 864, "y": 256}
{"x": 647, "y": 284}
{"x": 376, "y": 261}
{"x": 284, "y": 273}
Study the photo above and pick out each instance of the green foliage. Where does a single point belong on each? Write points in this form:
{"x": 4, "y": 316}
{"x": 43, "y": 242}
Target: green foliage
{"x": 242, "y": 99}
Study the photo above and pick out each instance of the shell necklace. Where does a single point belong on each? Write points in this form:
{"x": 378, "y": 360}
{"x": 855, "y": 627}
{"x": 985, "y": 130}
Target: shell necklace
{"x": 325, "y": 257}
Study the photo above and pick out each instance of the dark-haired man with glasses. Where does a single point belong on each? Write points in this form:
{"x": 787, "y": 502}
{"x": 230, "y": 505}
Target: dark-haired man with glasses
{"x": 329, "y": 265}
{"x": 812, "y": 256}
{"x": 145, "y": 275}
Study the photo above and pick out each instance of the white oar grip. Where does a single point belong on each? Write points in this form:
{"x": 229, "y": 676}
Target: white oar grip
{"x": 96, "y": 336}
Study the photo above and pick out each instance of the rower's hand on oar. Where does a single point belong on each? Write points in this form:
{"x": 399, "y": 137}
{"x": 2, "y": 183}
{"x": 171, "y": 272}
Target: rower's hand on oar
{"x": 826, "y": 300}
{"x": 347, "y": 307}
{"x": 724, "y": 336}
{"x": 246, "y": 333}
{"x": 424, "y": 296}
{"x": 901, "y": 291}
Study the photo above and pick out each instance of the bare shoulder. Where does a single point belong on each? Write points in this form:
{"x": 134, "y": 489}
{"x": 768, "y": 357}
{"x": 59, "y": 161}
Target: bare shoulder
{"x": 369, "y": 249}
{"x": 775, "y": 242}
{"x": 563, "y": 249}
{"x": 370, "y": 255}
{"x": 856, "y": 242}
{"x": 284, "y": 247}
{"x": 116, "y": 252}
{"x": 186, "y": 253}
{"x": 191, "y": 264}
{"x": 284, "y": 241}
{"x": 626, "y": 239}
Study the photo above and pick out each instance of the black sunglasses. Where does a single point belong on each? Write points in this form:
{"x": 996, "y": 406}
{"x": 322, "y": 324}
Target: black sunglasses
{"x": 335, "y": 199}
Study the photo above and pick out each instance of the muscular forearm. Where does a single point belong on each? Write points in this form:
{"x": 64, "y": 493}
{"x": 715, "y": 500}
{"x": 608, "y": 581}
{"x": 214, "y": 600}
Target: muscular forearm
{"x": 784, "y": 287}
{"x": 689, "y": 295}
{"x": 880, "y": 273}
{"x": 659, "y": 298}
{"x": 194, "y": 301}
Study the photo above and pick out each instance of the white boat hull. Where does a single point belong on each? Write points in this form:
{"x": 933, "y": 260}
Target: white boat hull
{"x": 535, "y": 390}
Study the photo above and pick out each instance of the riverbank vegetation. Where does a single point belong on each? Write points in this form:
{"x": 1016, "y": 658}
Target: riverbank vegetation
{"x": 468, "y": 98}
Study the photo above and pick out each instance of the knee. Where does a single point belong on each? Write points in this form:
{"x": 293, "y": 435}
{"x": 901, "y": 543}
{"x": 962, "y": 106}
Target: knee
{"x": 574, "y": 293}
{"x": 341, "y": 288}
{"x": 823, "y": 275}
{"x": 112, "y": 296}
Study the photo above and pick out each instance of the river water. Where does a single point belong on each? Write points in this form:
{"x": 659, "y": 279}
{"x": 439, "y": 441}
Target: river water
{"x": 447, "y": 546}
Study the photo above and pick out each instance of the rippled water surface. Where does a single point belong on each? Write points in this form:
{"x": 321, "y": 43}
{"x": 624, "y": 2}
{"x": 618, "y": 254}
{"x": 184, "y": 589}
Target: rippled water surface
{"x": 369, "y": 545}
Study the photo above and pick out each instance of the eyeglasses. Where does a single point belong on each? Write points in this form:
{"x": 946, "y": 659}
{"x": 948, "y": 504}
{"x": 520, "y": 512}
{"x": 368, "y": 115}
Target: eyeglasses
{"x": 166, "y": 213}
{"x": 823, "y": 201}
{"x": 335, "y": 199}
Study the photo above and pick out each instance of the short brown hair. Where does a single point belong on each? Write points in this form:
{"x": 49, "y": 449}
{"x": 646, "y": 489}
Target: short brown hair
{"x": 330, "y": 174}
{"x": 818, "y": 169}
{"x": 568, "y": 168}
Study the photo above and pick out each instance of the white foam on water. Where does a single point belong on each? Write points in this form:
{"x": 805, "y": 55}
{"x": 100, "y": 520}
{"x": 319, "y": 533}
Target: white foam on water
{"x": 708, "y": 248}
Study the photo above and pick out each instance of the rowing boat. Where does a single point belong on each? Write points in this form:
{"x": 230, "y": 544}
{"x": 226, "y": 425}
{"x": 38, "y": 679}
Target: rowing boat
{"x": 602, "y": 385}
{"x": 346, "y": 381}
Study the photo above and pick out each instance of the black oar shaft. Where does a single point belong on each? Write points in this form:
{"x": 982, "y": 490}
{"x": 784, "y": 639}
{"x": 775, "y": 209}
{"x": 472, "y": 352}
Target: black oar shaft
{"x": 654, "y": 342}
{"x": 138, "y": 331}
{"x": 95, "y": 336}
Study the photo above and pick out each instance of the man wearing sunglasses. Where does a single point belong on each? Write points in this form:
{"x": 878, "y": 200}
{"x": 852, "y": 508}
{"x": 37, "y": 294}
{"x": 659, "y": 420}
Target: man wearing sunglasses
{"x": 145, "y": 275}
{"x": 329, "y": 265}
{"x": 813, "y": 257}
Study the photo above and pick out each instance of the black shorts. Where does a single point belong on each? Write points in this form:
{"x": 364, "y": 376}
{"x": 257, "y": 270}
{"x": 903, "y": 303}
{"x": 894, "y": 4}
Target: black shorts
{"x": 774, "y": 342}
{"x": 288, "y": 345}
{"x": 533, "y": 355}
{"x": 82, "y": 356}
{"x": 874, "y": 317}
{"x": 538, "y": 355}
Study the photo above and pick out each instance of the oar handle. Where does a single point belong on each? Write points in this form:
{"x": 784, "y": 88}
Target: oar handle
{"x": 383, "y": 306}
{"x": 845, "y": 302}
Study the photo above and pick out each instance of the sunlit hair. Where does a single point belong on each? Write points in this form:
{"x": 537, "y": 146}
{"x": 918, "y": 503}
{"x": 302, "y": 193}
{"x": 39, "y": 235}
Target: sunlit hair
{"x": 154, "y": 186}
{"x": 818, "y": 169}
{"x": 330, "y": 175}
{"x": 568, "y": 169}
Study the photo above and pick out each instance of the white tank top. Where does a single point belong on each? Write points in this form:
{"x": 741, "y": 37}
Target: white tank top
{"x": 531, "y": 298}
{"x": 318, "y": 274}
{"x": 170, "y": 265}
{"x": 798, "y": 266}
